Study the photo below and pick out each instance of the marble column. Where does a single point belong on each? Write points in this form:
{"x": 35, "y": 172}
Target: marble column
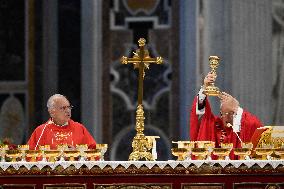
{"x": 50, "y": 49}
{"x": 188, "y": 59}
{"x": 91, "y": 57}
{"x": 240, "y": 33}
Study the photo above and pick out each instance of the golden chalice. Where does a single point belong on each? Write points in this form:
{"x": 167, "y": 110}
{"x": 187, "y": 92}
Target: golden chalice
{"x": 200, "y": 153}
{"x": 103, "y": 149}
{"x": 242, "y": 153}
{"x": 33, "y": 154}
{"x": 71, "y": 154}
{"x": 264, "y": 153}
{"x": 222, "y": 153}
{"x": 181, "y": 153}
{"x": 23, "y": 149}
{"x": 211, "y": 89}
{"x": 279, "y": 152}
{"x": 13, "y": 154}
{"x": 44, "y": 148}
{"x": 52, "y": 155}
{"x": 248, "y": 145}
{"x": 93, "y": 154}
{"x": 62, "y": 147}
{"x": 82, "y": 148}
{"x": 188, "y": 145}
{"x": 209, "y": 147}
{"x": 3, "y": 148}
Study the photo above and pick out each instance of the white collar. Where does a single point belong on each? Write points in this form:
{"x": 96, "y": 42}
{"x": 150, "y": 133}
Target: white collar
{"x": 65, "y": 124}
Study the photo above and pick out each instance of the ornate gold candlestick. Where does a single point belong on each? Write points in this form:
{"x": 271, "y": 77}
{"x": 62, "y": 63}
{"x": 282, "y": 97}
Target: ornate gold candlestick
{"x": 211, "y": 89}
{"x": 141, "y": 60}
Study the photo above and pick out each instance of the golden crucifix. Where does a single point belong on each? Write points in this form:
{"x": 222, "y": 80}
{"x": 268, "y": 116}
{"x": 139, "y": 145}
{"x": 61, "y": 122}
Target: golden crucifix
{"x": 141, "y": 60}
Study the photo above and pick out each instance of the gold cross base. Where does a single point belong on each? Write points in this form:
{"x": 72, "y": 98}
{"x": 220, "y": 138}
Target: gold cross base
{"x": 140, "y": 146}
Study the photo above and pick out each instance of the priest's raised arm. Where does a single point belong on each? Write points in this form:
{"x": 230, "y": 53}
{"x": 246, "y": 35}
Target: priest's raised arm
{"x": 233, "y": 125}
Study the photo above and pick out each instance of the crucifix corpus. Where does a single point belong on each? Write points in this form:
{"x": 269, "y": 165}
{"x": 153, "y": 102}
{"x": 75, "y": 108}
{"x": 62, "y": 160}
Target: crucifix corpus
{"x": 142, "y": 144}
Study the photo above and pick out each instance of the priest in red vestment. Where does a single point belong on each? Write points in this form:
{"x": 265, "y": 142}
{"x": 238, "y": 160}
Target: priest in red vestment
{"x": 60, "y": 128}
{"x": 234, "y": 125}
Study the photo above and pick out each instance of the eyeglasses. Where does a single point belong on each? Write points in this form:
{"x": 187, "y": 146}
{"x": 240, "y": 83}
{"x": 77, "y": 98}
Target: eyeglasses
{"x": 64, "y": 108}
{"x": 231, "y": 114}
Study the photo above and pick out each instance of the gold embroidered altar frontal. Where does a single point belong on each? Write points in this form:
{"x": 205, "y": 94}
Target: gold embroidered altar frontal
{"x": 191, "y": 174}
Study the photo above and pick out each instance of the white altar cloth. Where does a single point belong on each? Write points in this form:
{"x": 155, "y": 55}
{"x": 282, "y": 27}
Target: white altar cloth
{"x": 149, "y": 164}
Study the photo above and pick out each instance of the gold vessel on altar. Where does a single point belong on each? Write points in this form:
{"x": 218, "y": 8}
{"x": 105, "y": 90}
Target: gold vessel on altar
{"x": 33, "y": 154}
{"x": 242, "y": 153}
{"x": 13, "y": 154}
{"x": 103, "y": 149}
{"x": 62, "y": 147}
{"x": 23, "y": 149}
{"x": 181, "y": 153}
{"x": 3, "y": 148}
{"x": 199, "y": 153}
{"x": 264, "y": 153}
{"x": 52, "y": 155}
{"x": 222, "y": 153}
{"x": 82, "y": 148}
{"x": 188, "y": 145}
{"x": 71, "y": 154}
{"x": 279, "y": 152}
{"x": 92, "y": 155}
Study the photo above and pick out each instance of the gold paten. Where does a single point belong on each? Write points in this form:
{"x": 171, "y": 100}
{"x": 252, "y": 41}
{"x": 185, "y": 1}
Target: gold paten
{"x": 211, "y": 89}
{"x": 141, "y": 60}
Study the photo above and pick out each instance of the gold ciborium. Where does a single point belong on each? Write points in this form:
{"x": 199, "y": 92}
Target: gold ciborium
{"x": 33, "y": 154}
{"x": 181, "y": 153}
{"x": 243, "y": 153}
{"x": 103, "y": 149}
{"x": 211, "y": 89}
{"x": 82, "y": 148}
{"x": 93, "y": 154}
{"x": 279, "y": 152}
{"x": 71, "y": 154}
{"x": 23, "y": 149}
{"x": 13, "y": 154}
{"x": 264, "y": 153}
{"x": 199, "y": 153}
{"x": 3, "y": 148}
{"x": 52, "y": 155}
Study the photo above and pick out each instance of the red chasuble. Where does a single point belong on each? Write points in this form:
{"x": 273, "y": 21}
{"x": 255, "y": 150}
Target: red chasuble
{"x": 210, "y": 127}
{"x": 51, "y": 134}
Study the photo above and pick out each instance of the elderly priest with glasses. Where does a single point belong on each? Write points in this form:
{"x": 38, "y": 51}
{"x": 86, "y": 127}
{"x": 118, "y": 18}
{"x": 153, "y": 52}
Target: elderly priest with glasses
{"x": 234, "y": 125}
{"x": 60, "y": 128}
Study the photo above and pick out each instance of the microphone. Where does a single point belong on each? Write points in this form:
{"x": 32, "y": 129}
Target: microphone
{"x": 49, "y": 122}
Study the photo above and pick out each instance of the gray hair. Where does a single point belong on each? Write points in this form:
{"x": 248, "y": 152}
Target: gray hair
{"x": 52, "y": 99}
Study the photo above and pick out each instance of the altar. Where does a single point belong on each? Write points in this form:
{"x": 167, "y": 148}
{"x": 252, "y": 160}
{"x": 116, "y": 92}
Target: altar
{"x": 188, "y": 174}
